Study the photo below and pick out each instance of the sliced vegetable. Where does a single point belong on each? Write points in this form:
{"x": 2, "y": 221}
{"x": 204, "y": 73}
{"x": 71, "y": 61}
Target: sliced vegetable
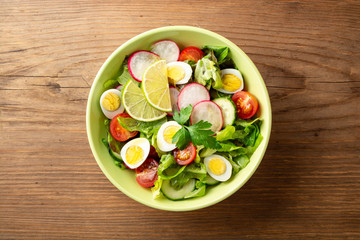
{"x": 246, "y": 104}
{"x": 185, "y": 156}
{"x": 156, "y": 87}
{"x": 137, "y": 106}
{"x": 139, "y": 61}
{"x": 192, "y": 93}
{"x": 166, "y": 49}
{"x": 191, "y": 53}
{"x": 197, "y": 192}
{"x": 210, "y": 180}
{"x": 228, "y": 110}
{"x": 174, "y": 94}
{"x": 146, "y": 174}
{"x": 207, "y": 111}
{"x": 119, "y": 132}
{"x": 177, "y": 194}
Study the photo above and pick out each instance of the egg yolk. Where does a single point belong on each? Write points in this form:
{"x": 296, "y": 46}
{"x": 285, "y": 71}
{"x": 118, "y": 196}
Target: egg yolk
{"x": 111, "y": 101}
{"x": 217, "y": 166}
{"x": 134, "y": 154}
{"x": 175, "y": 74}
{"x": 231, "y": 82}
{"x": 169, "y": 133}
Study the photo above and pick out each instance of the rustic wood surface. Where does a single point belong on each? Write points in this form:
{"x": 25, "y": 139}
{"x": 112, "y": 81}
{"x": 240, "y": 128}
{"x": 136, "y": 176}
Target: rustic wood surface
{"x": 308, "y": 185}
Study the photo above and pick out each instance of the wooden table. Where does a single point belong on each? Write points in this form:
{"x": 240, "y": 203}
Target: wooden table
{"x": 308, "y": 185}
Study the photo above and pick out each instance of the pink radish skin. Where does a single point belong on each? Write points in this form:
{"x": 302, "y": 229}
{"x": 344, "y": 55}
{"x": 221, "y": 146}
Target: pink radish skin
{"x": 192, "y": 93}
{"x": 118, "y": 87}
{"x": 174, "y": 94}
{"x": 210, "y": 112}
{"x": 166, "y": 49}
{"x": 139, "y": 61}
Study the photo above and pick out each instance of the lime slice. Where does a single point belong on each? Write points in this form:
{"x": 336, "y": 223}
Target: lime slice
{"x": 137, "y": 106}
{"x": 156, "y": 87}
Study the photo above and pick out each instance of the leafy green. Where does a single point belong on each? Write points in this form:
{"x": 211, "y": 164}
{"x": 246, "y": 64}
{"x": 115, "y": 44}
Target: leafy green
{"x": 146, "y": 128}
{"x": 226, "y": 134}
{"x": 216, "y": 94}
{"x": 222, "y": 55}
{"x": 207, "y": 74}
{"x": 251, "y": 149}
{"x": 227, "y": 147}
{"x": 242, "y": 161}
{"x": 157, "y": 187}
{"x": 113, "y": 146}
{"x": 125, "y": 76}
{"x": 168, "y": 168}
{"x": 199, "y": 191}
{"x": 154, "y": 142}
{"x": 182, "y": 138}
{"x": 191, "y": 62}
{"x": 193, "y": 170}
{"x": 199, "y": 133}
{"x": 207, "y": 152}
{"x": 245, "y": 132}
{"x": 184, "y": 115}
{"x": 111, "y": 83}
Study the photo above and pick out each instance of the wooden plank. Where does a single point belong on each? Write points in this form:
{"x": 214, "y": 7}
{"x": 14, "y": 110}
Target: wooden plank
{"x": 308, "y": 185}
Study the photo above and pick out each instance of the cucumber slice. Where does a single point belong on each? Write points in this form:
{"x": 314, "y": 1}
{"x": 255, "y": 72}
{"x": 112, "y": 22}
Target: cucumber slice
{"x": 210, "y": 180}
{"x": 174, "y": 194}
{"x": 228, "y": 110}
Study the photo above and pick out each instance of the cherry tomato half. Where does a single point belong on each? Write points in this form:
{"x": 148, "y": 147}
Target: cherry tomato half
{"x": 153, "y": 153}
{"x": 185, "y": 156}
{"x": 118, "y": 132}
{"x": 191, "y": 53}
{"x": 246, "y": 104}
{"x": 146, "y": 174}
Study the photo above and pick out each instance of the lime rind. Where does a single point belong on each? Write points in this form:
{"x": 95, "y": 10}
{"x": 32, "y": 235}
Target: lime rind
{"x": 137, "y": 106}
{"x": 157, "y": 92}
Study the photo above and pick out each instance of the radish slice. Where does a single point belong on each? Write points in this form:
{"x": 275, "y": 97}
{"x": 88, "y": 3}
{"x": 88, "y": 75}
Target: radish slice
{"x": 207, "y": 111}
{"x": 192, "y": 93}
{"x": 119, "y": 87}
{"x": 139, "y": 61}
{"x": 167, "y": 50}
{"x": 174, "y": 94}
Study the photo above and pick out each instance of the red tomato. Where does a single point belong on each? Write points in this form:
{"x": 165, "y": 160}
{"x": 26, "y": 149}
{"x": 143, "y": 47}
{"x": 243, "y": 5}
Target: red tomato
{"x": 146, "y": 174}
{"x": 185, "y": 156}
{"x": 118, "y": 132}
{"x": 246, "y": 104}
{"x": 153, "y": 153}
{"x": 191, "y": 53}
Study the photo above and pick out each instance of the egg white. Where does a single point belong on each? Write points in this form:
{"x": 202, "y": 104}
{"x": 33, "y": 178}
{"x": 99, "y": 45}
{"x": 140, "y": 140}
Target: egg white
{"x": 187, "y": 69}
{"x": 161, "y": 143}
{"x": 143, "y": 143}
{"x": 236, "y": 73}
{"x": 111, "y": 114}
{"x": 223, "y": 177}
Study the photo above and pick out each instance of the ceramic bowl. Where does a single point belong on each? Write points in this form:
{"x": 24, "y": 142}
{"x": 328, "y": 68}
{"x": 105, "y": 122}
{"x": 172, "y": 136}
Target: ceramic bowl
{"x": 124, "y": 180}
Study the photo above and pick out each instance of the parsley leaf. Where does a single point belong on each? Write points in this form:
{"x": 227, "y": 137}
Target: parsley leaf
{"x": 201, "y": 134}
{"x": 184, "y": 115}
{"x": 181, "y": 138}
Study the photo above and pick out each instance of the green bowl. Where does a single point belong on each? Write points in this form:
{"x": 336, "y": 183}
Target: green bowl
{"x": 124, "y": 180}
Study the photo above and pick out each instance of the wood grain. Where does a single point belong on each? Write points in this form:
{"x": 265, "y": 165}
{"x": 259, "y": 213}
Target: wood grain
{"x": 308, "y": 185}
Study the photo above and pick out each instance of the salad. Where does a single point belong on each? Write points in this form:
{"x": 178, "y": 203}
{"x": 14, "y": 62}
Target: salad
{"x": 180, "y": 120}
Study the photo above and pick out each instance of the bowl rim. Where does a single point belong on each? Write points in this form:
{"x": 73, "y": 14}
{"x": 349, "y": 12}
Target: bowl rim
{"x": 155, "y": 31}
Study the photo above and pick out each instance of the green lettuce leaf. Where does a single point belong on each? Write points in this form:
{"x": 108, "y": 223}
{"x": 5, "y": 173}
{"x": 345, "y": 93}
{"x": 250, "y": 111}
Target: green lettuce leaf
{"x": 207, "y": 74}
{"x": 146, "y": 128}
